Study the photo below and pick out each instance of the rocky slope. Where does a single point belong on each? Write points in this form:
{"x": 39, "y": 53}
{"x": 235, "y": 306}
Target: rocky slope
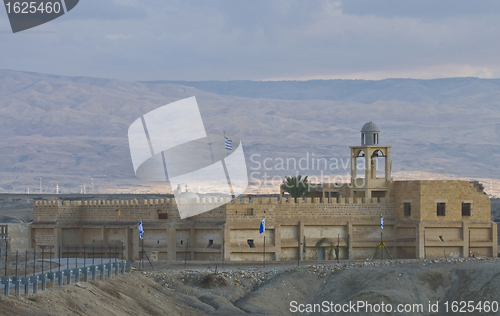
{"x": 254, "y": 290}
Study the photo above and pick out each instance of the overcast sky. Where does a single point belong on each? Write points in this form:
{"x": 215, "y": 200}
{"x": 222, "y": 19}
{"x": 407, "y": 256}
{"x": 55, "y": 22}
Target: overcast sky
{"x": 261, "y": 40}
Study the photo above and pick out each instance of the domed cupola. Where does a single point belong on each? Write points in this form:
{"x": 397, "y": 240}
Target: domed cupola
{"x": 369, "y": 134}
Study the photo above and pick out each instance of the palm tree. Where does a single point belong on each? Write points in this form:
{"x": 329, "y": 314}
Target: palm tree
{"x": 296, "y": 186}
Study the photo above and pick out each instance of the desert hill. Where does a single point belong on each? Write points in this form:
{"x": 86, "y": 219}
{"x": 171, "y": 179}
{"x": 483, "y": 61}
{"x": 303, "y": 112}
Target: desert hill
{"x": 253, "y": 290}
{"x": 68, "y": 130}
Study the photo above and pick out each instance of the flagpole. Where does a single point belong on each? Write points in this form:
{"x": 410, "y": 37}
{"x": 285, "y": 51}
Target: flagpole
{"x": 227, "y": 146}
{"x": 141, "y": 231}
{"x": 186, "y": 258}
{"x": 264, "y": 251}
{"x": 225, "y": 152}
{"x": 262, "y": 230}
{"x": 338, "y": 248}
{"x": 381, "y": 238}
{"x": 381, "y": 242}
{"x": 298, "y": 257}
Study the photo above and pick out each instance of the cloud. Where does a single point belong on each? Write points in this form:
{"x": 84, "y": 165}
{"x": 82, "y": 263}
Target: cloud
{"x": 424, "y": 72}
{"x": 290, "y": 39}
{"x": 117, "y": 36}
{"x": 420, "y": 9}
{"x": 106, "y": 10}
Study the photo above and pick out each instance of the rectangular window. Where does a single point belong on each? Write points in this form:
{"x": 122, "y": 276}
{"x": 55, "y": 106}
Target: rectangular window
{"x": 441, "y": 209}
{"x": 407, "y": 208}
{"x": 250, "y": 243}
{"x": 162, "y": 215}
{"x": 465, "y": 209}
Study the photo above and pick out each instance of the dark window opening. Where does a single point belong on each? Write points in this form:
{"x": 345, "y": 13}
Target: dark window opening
{"x": 407, "y": 208}
{"x": 162, "y": 215}
{"x": 210, "y": 243}
{"x": 465, "y": 209}
{"x": 441, "y": 209}
{"x": 251, "y": 243}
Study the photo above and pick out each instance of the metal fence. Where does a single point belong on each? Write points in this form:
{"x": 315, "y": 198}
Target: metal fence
{"x": 66, "y": 265}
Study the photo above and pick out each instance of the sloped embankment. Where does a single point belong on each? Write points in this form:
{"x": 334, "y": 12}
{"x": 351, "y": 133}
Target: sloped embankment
{"x": 258, "y": 291}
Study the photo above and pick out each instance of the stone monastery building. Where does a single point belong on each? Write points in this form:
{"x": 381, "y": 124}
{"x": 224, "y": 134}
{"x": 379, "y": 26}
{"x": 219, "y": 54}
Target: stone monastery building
{"x": 422, "y": 219}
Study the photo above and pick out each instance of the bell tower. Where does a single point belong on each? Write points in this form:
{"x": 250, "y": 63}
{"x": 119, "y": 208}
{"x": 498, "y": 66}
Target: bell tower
{"x": 370, "y": 153}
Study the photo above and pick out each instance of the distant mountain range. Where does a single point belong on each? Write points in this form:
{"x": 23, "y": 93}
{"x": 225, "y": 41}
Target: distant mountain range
{"x": 360, "y": 91}
{"x": 68, "y": 130}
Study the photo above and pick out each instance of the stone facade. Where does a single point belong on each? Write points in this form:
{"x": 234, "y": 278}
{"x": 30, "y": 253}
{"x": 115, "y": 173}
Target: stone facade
{"x": 308, "y": 227}
{"x": 422, "y": 219}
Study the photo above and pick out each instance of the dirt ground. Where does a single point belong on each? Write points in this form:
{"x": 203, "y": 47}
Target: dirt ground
{"x": 254, "y": 290}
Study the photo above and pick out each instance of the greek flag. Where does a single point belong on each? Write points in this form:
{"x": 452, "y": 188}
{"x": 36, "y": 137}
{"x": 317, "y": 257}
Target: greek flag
{"x": 262, "y": 226}
{"x": 228, "y": 143}
{"x": 141, "y": 230}
{"x": 381, "y": 221}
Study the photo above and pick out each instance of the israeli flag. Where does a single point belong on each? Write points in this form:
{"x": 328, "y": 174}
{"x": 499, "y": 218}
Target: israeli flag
{"x": 262, "y": 226}
{"x": 228, "y": 144}
{"x": 141, "y": 230}
{"x": 381, "y": 221}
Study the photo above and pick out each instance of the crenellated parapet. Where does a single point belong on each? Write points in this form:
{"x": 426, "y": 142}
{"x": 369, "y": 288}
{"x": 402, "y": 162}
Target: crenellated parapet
{"x": 130, "y": 211}
{"x": 289, "y": 201}
{"x": 258, "y": 200}
{"x": 245, "y": 209}
{"x": 104, "y": 202}
{"x": 165, "y": 210}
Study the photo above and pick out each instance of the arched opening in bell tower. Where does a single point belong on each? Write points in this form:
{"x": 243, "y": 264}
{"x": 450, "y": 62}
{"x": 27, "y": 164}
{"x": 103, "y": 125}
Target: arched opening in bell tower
{"x": 360, "y": 164}
{"x": 378, "y": 164}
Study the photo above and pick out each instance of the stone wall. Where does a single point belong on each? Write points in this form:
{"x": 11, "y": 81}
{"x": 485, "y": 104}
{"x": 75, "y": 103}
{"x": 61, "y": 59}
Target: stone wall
{"x": 304, "y": 229}
{"x": 453, "y": 193}
{"x": 130, "y": 211}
